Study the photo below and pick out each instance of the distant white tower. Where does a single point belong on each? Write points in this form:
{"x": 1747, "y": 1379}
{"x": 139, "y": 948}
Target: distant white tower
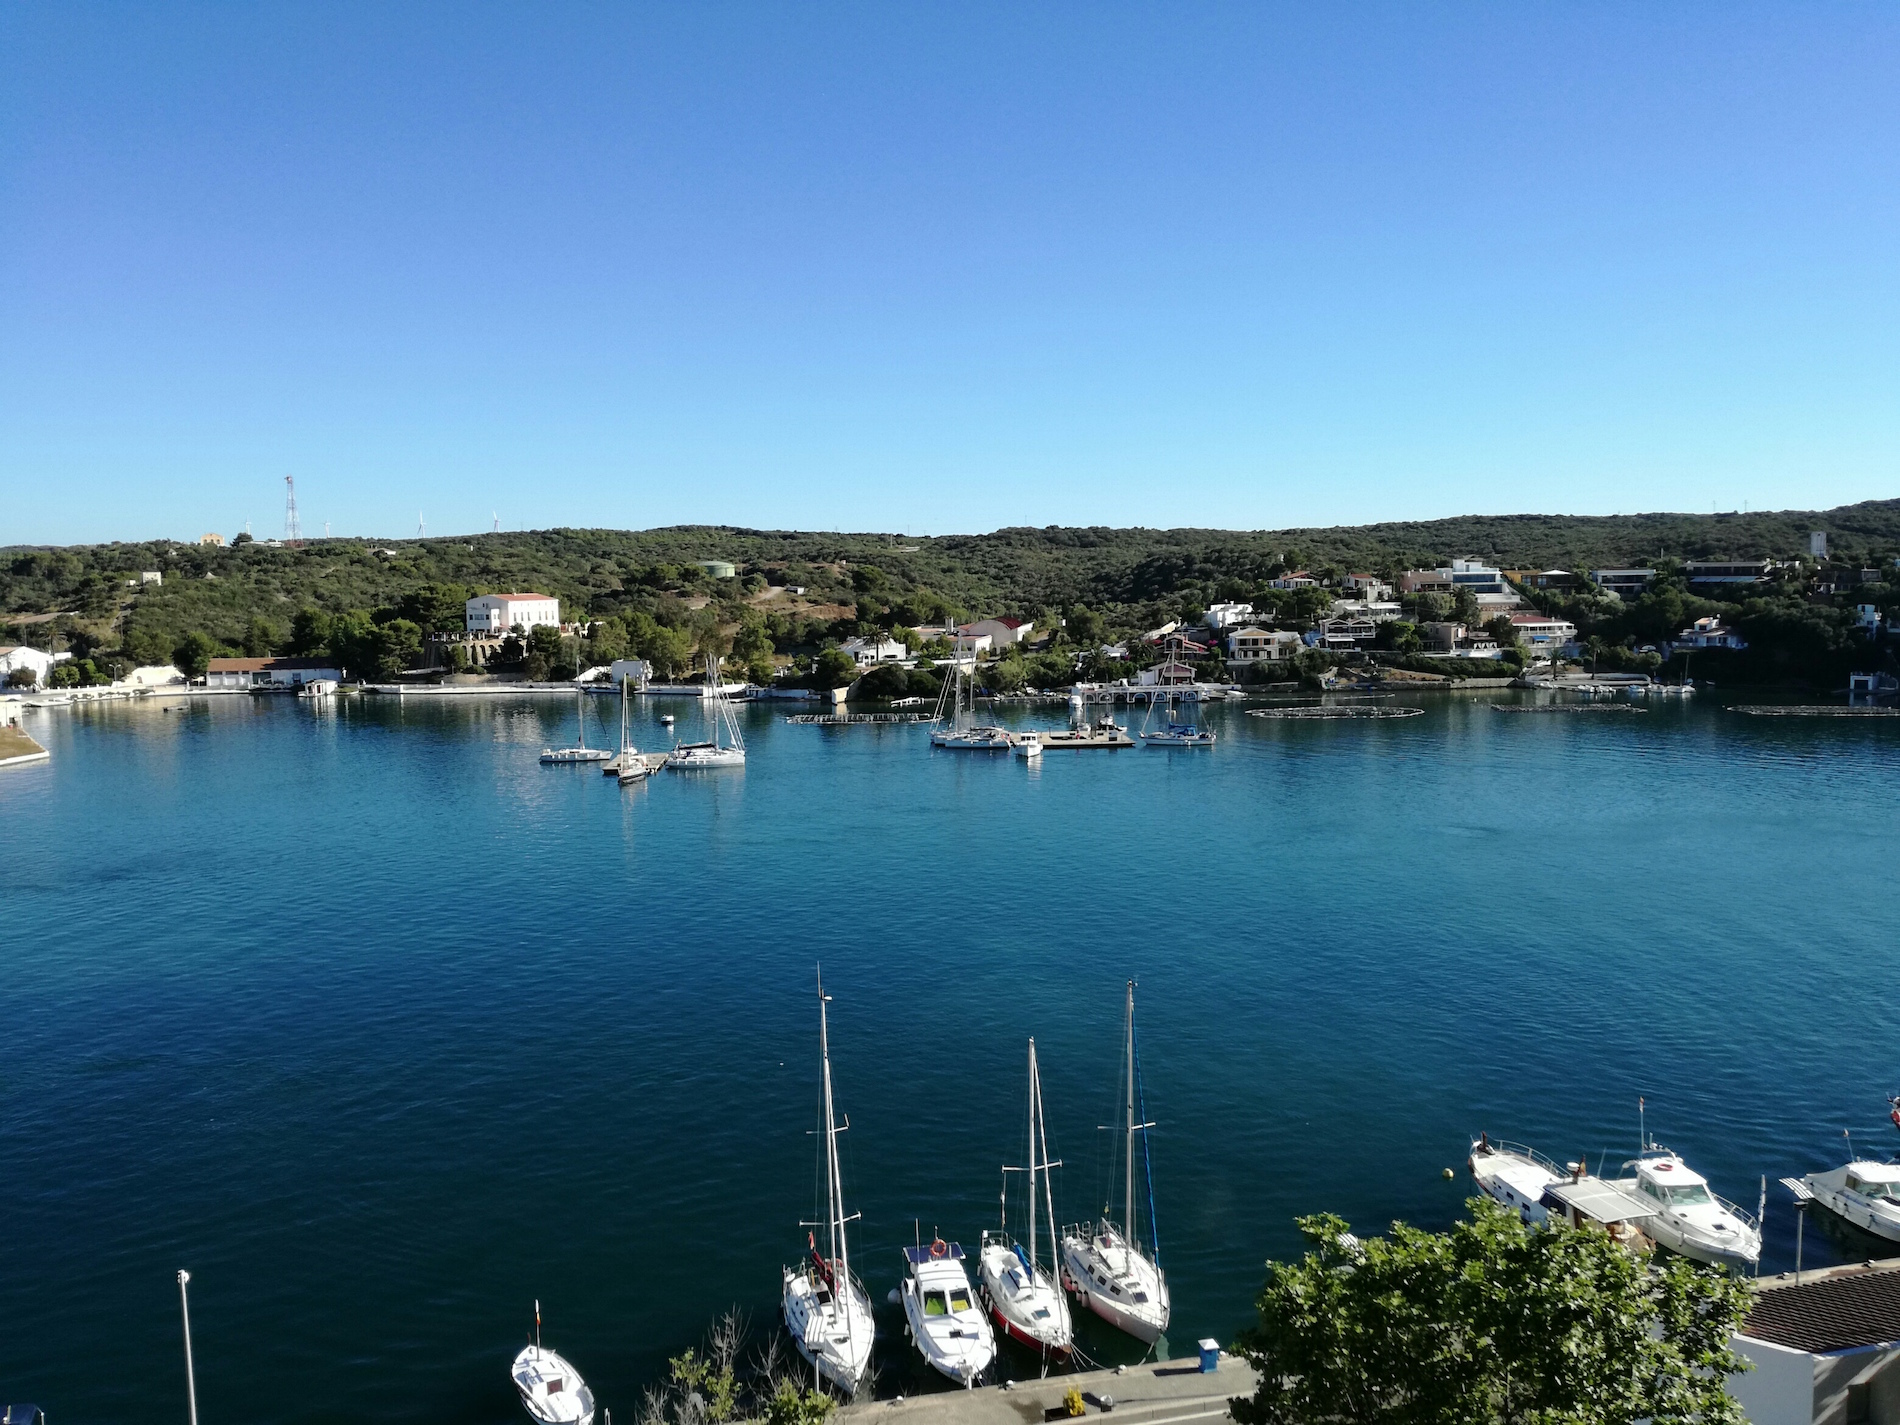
{"x": 1817, "y": 543}
{"x": 326, "y": 529}
{"x": 419, "y": 524}
{"x": 293, "y": 529}
{"x": 497, "y": 518}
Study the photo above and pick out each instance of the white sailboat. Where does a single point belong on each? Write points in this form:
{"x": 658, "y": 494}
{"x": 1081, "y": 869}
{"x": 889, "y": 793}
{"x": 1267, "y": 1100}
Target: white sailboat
{"x": 1102, "y": 1261}
{"x": 1172, "y": 731}
{"x": 1023, "y": 1294}
{"x": 551, "y": 1390}
{"x": 827, "y": 1311}
{"x": 946, "y": 1324}
{"x": 956, "y": 725}
{"x": 694, "y": 756}
{"x": 580, "y": 752}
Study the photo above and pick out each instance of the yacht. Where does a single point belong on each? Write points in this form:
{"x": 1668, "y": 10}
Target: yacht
{"x": 1689, "y": 1218}
{"x": 551, "y": 1390}
{"x": 1867, "y": 1194}
{"x": 1102, "y": 1261}
{"x": 946, "y": 1323}
{"x": 956, "y": 725}
{"x": 1514, "y": 1176}
{"x": 1029, "y": 746}
{"x": 1173, "y": 731}
{"x": 697, "y": 756}
{"x": 580, "y": 752}
{"x": 1023, "y": 1295}
{"x": 827, "y": 1310}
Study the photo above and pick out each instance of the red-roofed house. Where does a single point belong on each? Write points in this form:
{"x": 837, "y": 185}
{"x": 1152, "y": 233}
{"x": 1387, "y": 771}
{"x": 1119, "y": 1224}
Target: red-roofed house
{"x": 497, "y": 613}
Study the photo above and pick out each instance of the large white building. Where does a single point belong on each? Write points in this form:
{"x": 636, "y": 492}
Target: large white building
{"x": 499, "y": 613}
{"x": 16, "y": 655}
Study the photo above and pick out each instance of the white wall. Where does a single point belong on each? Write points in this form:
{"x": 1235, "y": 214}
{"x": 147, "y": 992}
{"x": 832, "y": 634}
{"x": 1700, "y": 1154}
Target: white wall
{"x": 1780, "y": 1390}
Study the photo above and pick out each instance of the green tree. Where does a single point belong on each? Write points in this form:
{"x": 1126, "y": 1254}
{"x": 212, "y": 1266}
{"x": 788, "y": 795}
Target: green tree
{"x": 436, "y": 608}
{"x": 398, "y": 647}
{"x": 21, "y": 678}
{"x": 194, "y": 653}
{"x": 261, "y": 639}
{"x": 310, "y": 633}
{"x": 793, "y": 1404}
{"x": 1494, "y": 1321}
{"x": 833, "y": 668}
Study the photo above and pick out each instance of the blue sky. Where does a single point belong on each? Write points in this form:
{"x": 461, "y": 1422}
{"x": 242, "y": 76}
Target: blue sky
{"x": 940, "y": 268}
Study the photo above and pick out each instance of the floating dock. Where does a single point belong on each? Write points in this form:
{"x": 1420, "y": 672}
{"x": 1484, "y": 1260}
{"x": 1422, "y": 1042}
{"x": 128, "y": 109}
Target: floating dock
{"x": 1171, "y": 1393}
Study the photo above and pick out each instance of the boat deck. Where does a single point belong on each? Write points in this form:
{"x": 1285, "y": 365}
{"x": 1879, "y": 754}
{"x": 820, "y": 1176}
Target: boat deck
{"x": 1170, "y": 1393}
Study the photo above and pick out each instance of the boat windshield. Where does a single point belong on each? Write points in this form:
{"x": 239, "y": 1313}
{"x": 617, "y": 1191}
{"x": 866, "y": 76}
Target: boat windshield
{"x": 1883, "y": 1191}
{"x": 960, "y": 1299}
{"x": 936, "y": 1304}
{"x": 1689, "y": 1196}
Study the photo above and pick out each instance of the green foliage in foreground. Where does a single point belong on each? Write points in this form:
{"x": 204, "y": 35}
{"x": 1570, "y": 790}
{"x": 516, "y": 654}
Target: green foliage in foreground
{"x": 1492, "y": 1323}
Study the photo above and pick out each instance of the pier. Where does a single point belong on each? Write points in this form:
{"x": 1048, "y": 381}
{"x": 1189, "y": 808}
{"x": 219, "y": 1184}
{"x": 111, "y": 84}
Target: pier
{"x": 1170, "y": 1393}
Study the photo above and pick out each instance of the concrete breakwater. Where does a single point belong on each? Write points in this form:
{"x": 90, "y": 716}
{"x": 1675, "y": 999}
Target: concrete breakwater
{"x": 1170, "y": 1393}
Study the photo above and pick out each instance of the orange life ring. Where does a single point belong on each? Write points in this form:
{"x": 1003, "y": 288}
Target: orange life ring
{"x": 939, "y": 1249}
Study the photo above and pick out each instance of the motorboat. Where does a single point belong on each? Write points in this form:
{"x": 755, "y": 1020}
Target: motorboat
{"x": 1102, "y": 1261}
{"x": 1024, "y": 1297}
{"x": 1029, "y": 745}
{"x": 946, "y": 1324}
{"x": 1513, "y": 1176}
{"x": 666, "y": 719}
{"x": 826, "y": 1308}
{"x": 551, "y": 1389}
{"x": 1866, "y": 1193}
{"x": 1689, "y": 1218}
{"x": 580, "y": 751}
{"x": 705, "y": 756}
{"x": 956, "y": 726}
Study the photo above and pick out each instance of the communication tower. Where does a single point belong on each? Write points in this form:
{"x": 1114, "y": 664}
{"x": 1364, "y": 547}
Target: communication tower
{"x": 293, "y": 530}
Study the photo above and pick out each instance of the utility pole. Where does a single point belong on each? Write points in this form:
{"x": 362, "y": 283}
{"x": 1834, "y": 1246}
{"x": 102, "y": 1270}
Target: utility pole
{"x": 191, "y": 1383}
{"x": 293, "y": 529}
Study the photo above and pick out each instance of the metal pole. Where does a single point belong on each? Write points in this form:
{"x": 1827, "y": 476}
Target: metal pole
{"x": 1800, "y": 1225}
{"x": 191, "y": 1382}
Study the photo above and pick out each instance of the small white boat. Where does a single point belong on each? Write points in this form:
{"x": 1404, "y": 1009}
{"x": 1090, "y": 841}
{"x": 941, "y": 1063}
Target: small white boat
{"x": 707, "y": 756}
{"x": 580, "y": 752}
{"x": 947, "y": 1325}
{"x": 551, "y": 1389}
{"x": 1514, "y": 1176}
{"x": 1689, "y": 1218}
{"x": 826, "y": 1308}
{"x": 1024, "y": 1296}
{"x": 1866, "y": 1193}
{"x": 666, "y": 719}
{"x": 1029, "y": 745}
{"x": 1102, "y": 1262}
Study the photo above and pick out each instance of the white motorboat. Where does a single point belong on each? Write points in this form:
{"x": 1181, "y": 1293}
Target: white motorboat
{"x": 956, "y": 726}
{"x": 666, "y": 719}
{"x": 580, "y": 752}
{"x": 1023, "y": 1294}
{"x": 1866, "y": 1193}
{"x": 946, "y": 1324}
{"x": 1102, "y": 1261}
{"x": 551, "y": 1389}
{"x": 826, "y": 1308}
{"x": 705, "y": 756}
{"x": 1514, "y": 1176}
{"x": 1029, "y": 745}
{"x": 1689, "y": 1218}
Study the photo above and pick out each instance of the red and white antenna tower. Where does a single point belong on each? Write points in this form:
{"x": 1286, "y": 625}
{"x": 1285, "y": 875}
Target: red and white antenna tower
{"x": 293, "y": 530}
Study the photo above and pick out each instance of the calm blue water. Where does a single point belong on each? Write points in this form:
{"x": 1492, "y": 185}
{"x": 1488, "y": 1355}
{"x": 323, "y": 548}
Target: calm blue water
{"x": 384, "y": 1030}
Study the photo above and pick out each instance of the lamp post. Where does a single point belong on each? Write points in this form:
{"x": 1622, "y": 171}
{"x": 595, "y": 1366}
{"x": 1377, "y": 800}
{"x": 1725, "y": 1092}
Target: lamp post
{"x": 191, "y": 1383}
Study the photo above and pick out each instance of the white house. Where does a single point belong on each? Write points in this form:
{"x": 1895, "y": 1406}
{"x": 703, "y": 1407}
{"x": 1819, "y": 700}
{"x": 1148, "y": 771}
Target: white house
{"x": 1540, "y": 632}
{"x": 1299, "y": 579}
{"x": 1250, "y": 645}
{"x": 498, "y": 613}
{"x": 1824, "y": 1350}
{"x": 1001, "y": 631}
{"x": 637, "y": 669}
{"x": 1343, "y": 634}
{"x": 868, "y": 651}
{"x": 1378, "y": 610}
{"x": 15, "y": 656}
{"x": 157, "y": 675}
{"x": 1622, "y": 582}
{"x": 1867, "y": 616}
{"x": 1367, "y": 586}
{"x": 1221, "y": 617}
{"x": 1709, "y": 633}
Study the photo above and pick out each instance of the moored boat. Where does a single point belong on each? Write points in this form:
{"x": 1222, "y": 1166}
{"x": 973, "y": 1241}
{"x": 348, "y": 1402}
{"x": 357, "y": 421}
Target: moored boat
{"x": 946, "y": 1324}
{"x": 705, "y": 756}
{"x": 551, "y": 1390}
{"x": 957, "y": 729}
{"x": 1866, "y": 1193}
{"x": 1513, "y": 1176}
{"x": 1023, "y": 1295}
{"x": 1689, "y": 1218}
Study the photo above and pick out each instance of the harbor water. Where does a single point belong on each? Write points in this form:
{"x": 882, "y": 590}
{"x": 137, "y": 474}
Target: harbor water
{"x": 384, "y": 1030}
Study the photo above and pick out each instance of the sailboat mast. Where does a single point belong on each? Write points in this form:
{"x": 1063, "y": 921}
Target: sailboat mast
{"x": 1128, "y": 1156}
{"x": 1032, "y": 1158}
{"x": 834, "y": 1186}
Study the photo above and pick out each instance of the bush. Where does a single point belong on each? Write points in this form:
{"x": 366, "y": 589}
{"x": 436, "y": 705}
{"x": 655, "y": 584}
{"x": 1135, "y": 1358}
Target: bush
{"x": 885, "y": 683}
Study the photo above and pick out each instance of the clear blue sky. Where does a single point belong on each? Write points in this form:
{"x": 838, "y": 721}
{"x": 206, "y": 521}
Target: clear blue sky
{"x": 940, "y": 268}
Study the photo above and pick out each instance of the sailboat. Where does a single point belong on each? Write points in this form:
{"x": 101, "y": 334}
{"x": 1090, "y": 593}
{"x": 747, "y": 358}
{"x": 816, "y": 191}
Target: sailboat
{"x": 551, "y": 1390}
{"x": 1102, "y": 1261}
{"x": 1172, "y": 732}
{"x": 826, "y": 1308}
{"x": 630, "y": 764}
{"x": 692, "y": 756}
{"x": 1023, "y": 1295}
{"x": 957, "y": 704}
{"x": 580, "y": 752}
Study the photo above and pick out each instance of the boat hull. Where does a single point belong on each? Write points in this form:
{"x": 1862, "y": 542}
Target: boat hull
{"x": 1091, "y": 1275}
{"x": 998, "y": 1268}
{"x": 816, "y": 1331}
{"x": 1878, "y": 1216}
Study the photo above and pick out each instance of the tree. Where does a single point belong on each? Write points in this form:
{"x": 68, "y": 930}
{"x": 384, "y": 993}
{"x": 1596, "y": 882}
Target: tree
{"x": 194, "y": 653}
{"x": 833, "y": 668}
{"x": 398, "y": 646}
{"x": 436, "y": 608}
{"x": 261, "y": 638}
{"x": 1494, "y": 1321}
{"x": 22, "y": 678}
{"x": 310, "y": 633}
{"x": 885, "y": 683}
